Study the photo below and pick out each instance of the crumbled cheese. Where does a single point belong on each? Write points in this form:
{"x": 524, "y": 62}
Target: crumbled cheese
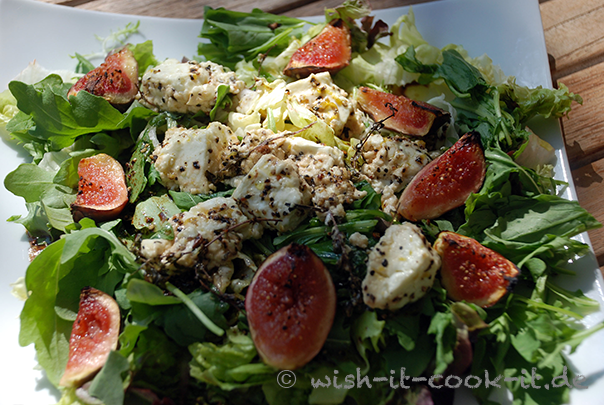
{"x": 359, "y": 240}
{"x": 255, "y": 144}
{"x": 222, "y": 276}
{"x": 390, "y": 164}
{"x": 154, "y": 248}
{"x": 187, "y": 155}
{"x": 324, "y": 170}
{"x": 400, "y": 268}
{"x": 211, "y": 232}
{"x": 274, "y": 190}
{"x": 185, "y": 87}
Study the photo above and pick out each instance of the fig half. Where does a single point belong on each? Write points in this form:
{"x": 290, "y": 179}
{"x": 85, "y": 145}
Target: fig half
{"x": 290, "y": 304}
{"x": 400, "y": 113}
{"x": 446, "y": 182}
{"x": 116, "y": 79}
{"x": 330, "y": 51}
{"x": 472, "y": 272}
{"x": 102, "y": 191}
{"x": 94, "y": 335}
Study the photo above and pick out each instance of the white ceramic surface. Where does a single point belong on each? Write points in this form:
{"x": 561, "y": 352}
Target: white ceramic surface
{"x": 509, "y": 31}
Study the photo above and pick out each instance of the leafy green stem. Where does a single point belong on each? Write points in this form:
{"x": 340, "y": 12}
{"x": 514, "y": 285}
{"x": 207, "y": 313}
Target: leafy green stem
{"x": 548, "y": 307}
{"x": 207, "y": 322}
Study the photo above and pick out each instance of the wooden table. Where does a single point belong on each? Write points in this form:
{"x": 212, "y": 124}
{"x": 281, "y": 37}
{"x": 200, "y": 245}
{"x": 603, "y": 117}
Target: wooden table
{"x": 574, "y": 36}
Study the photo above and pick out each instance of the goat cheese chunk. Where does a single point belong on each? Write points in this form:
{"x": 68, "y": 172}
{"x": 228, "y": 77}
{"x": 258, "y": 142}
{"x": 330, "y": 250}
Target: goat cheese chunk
{"x": 186, "y": 87}
{"x": 324, "y": 170}
{"x": 186, "y": 156}
{"x": 210, "y": 233}
{"x": 390, "y": 164}
{"x": 400, "y": 268}
{"x": 274, "y": 190}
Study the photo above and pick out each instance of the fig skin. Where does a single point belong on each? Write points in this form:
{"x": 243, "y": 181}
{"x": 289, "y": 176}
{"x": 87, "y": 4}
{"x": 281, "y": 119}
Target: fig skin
{"x": 116, "y": 79}
{"x": 291, "y": 305}
{"x": 472, "y": 272}
{"x": 411, "y": 117}
{"x": 94, "y": 335}
{"x": 102, "y": 191}
{"x": 446, "y": 182}
{"x": 330, "y": 51}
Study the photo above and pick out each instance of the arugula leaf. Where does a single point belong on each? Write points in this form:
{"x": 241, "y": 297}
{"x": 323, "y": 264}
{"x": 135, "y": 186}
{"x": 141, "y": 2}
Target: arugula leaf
{"x": 100, "y": 259}
{"x": 137, "y": 169}
{"x": 446, "y": 337}
{"x": 58, "y": 120}
{"x": 185, "y": 201}
{"x": 180, "y": 324}
{"x": 29, "y": 181}
{"x": 499, "y": 112}
{"x": 236, "y": 36}
{"x": 222, "y": 100}
{"x": 527, "y": 336}
{"x": 147, "y": 293}
{"x": 40, "y": 324}
{"x": 84, "y": 65}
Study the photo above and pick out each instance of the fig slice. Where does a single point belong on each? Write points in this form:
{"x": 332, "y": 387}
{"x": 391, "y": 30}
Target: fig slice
{"x": 472, "y": 272}
{"x": 330, "y": 51}
{"x": 411, "y": 117}
{"x": 94, "y": 335}
{"x": 290, "y": 304}
{"x": 102, "y": 191}
{"x": 116, "y": 79}
{"x": 446, "y": 182}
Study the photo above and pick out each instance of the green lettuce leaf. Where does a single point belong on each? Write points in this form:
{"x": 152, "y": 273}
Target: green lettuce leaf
{"x": 229, "y": 365}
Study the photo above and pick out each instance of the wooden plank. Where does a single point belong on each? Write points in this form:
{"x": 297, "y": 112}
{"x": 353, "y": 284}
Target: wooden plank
{"x": 574, "y": 33}
{"x": 175, "y": 9}
{"x": 584, "y": 127}
{"x": 194, "y": 9}
{"x": 589, "y": 182}
{"x": 317, "y": 8}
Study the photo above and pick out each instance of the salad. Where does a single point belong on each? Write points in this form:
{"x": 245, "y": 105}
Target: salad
{"x": 162, "y": 334}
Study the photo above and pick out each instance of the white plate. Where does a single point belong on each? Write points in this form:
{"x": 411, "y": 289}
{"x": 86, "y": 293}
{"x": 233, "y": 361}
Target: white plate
{"x": 509, "y": 31}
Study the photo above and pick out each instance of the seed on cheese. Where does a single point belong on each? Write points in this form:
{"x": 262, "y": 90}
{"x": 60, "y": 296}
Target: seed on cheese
{"x": 274, "y": 190}
{"x": 400, "y": 268}
{"x": 254, "y": 145}
{"x": 324, "y": 170}
{"x": 186, "y": 87}
{"x": 211, "y": 232}
{"x": 390, "y": 164}
{"x": 187, "y": 155}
